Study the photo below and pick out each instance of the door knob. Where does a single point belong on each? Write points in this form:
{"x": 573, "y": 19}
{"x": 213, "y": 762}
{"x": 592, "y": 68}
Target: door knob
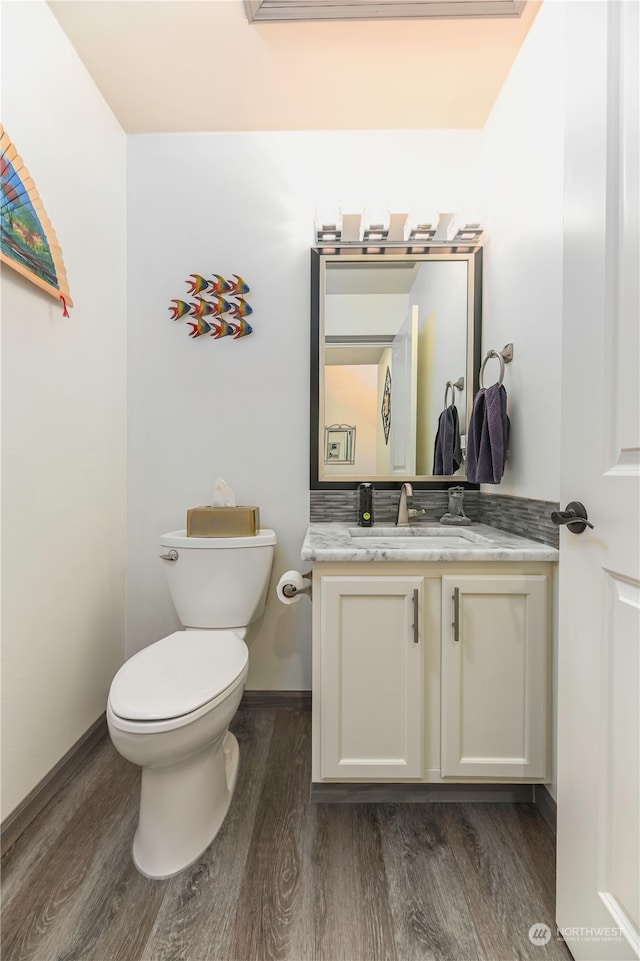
{"x": 574, "y": 516}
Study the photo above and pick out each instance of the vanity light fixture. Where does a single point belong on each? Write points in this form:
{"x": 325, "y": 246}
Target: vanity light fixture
{"x": 393, "y": 229}
{"x": 291, "y": 10}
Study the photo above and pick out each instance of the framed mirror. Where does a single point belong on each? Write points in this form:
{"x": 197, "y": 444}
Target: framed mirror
{"x": 395, "y": 354}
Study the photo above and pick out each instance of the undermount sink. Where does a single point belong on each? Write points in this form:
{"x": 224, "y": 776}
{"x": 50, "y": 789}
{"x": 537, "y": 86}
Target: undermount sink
{"x": 417, "y": 537}
{"x": 415, "y": 543}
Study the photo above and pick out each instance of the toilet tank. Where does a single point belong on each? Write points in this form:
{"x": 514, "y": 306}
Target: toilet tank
{"x": 218, "y": 582}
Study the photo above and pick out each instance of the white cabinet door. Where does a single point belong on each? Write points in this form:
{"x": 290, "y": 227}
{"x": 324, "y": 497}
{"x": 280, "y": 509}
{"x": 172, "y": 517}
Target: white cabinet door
{"x": 371, "y": 677}
{"x": 494, "y": 676}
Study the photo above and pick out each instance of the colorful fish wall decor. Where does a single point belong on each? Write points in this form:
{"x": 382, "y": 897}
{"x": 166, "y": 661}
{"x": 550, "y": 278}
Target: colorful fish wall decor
{"x": 28, "y": 242}
{"x": 242, "y": 329}
{"x": 213, "y": 298}
{"x": 198, "y": 327}
{"x": 241, "y": 309}
{"x": 181, "y": 309}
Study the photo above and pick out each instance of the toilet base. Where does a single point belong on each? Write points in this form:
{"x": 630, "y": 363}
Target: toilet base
{"x": 182, "y": 808}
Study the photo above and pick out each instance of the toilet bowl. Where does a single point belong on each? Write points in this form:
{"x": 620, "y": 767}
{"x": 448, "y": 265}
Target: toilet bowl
{"x": 170, "y": 705}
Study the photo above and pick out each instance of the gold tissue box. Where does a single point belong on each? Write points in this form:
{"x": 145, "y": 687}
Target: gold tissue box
{"x": 223, "y": 521}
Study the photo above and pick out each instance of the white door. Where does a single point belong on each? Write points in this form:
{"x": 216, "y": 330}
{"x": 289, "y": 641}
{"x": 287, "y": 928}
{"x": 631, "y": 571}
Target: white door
{"x": 598, "y": 894}
{"x": 404, "y": 395}
{"x": 371, "y": 677}
{"x": 494, "y": 676}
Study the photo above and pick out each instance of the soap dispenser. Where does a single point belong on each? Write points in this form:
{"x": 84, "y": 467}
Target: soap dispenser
{"x": 365, "y": 505}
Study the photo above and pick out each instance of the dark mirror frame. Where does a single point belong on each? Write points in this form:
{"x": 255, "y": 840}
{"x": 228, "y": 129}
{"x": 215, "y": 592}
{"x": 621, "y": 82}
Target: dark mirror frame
{"x": 316, "y": 259}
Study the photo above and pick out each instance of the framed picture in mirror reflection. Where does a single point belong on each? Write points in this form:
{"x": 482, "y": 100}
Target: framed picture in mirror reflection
{"x": 340, "y": 444}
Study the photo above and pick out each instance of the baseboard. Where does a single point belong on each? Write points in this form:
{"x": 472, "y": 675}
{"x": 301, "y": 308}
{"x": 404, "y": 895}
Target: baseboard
{"x": 276, "y": 700}
{"x": 26, "y": 812}
{"x": 546, "y": 805}
{"x": 343, "y": 793}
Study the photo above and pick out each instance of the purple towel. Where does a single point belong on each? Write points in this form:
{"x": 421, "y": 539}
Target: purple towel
{"x": 488, "y": 436}
{"x": 447, "y": 455}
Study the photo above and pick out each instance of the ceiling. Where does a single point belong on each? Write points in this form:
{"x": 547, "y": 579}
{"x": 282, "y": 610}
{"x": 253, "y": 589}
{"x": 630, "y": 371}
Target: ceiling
{"x": 199, "y": 65}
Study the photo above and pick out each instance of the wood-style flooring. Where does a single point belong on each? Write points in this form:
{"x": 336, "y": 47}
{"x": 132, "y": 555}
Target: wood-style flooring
{"x": 285, "y": 878}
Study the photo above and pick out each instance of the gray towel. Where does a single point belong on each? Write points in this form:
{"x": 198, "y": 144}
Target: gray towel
{"x": 447, "y": 453}
{"x": 488, "y": 436}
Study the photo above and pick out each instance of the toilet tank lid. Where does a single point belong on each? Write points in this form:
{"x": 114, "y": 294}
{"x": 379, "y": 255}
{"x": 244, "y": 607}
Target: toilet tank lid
{"x": 263, "y": 538}
{"x": 177, "y": 674}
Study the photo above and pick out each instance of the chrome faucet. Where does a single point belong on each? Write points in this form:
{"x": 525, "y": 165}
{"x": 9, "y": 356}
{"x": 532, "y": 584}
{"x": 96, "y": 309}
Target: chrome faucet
{"x": 402, "y": 520}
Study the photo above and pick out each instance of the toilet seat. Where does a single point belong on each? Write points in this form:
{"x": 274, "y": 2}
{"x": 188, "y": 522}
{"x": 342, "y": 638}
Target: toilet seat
{"x": 177, "y": 679}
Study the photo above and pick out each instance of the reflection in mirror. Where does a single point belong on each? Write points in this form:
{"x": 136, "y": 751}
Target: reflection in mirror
{"x": 339, "y": 444}
{"x": 394, "y": 354}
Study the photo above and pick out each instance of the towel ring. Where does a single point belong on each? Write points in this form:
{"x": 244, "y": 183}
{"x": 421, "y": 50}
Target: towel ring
{"x": 505, "y": 356}
{"x": 453, "y": 393}
{"x": 492, "y": 353}
{"x": 454, "y": 385}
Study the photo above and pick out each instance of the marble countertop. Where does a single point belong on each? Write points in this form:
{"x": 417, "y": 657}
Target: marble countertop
{"x": 339, "y": 541}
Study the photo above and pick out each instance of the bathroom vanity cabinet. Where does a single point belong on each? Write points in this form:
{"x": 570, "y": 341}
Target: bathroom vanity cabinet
{"x": 431, "y": 670}
{"x": 370, "y": 676}
{"x": 494, "y": 676}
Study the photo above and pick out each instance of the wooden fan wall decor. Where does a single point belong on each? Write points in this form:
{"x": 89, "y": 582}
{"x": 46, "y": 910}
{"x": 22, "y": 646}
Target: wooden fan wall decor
{"x": 28, "y": 241}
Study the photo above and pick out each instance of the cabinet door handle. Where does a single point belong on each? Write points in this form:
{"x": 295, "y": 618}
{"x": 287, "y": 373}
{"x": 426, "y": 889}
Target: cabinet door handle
{"x": 456, "y": 613}
{"x": 416, "y": 615}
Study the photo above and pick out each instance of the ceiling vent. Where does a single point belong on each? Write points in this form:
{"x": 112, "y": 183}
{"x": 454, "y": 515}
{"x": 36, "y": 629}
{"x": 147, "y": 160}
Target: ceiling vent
{"x": 261, "y": 11}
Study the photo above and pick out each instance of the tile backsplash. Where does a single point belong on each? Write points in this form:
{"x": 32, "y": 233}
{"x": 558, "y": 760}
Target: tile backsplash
{"x": 520, "y": 515}
{"x": 517, "y": 515}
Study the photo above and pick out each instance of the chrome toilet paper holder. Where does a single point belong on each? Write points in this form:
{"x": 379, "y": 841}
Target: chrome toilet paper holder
{"x": 290, "y": 590}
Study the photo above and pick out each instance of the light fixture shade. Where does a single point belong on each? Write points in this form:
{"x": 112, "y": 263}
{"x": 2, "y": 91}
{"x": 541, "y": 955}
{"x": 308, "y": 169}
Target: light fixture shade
{"x": 328, "y": 224}
{"x": 421, "y": 226}
{"x": 446, "y": 229}
{"x": 470, "y": 233}
{"x": 377, "y": 221}
{"x": 352, "y": 229}
{"x": 398, "y": 228}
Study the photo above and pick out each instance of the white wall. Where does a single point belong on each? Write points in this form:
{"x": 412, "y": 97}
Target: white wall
{"x": 524, "y": 143}
{"x": 522, "y": 304}
{"x": 63, "y": 387}
{"x": 244, "y": 203}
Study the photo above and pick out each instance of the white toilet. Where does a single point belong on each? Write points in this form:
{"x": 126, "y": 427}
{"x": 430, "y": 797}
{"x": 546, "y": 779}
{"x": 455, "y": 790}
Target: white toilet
{"x": 170, "y": 705}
